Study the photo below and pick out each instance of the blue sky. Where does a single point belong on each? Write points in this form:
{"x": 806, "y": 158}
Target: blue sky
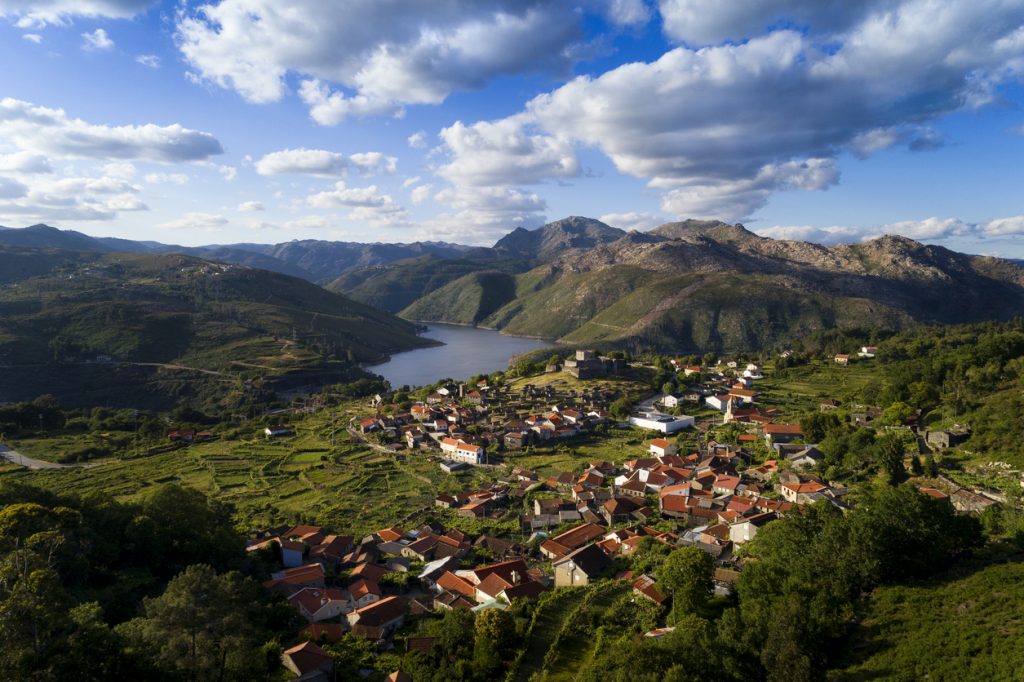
{"x": 392, "y": 120}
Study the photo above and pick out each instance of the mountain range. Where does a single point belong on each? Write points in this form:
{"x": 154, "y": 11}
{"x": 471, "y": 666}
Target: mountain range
{"x": 311, "y": 259}
{"x": 684, "y": 286}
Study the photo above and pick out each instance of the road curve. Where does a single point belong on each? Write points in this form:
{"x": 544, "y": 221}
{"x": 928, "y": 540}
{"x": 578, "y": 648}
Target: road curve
{"x": 15, "y": 457}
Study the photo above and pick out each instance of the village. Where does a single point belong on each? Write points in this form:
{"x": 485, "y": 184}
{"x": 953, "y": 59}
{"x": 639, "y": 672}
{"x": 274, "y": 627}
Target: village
{"x": 682, "y": 488}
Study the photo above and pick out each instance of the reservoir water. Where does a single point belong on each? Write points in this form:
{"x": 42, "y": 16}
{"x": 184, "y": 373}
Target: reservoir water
{"x": 466, "y": 351}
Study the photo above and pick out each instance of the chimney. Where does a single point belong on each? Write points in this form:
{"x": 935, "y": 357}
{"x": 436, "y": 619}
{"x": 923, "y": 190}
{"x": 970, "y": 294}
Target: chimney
{"x": 515, "y": 577}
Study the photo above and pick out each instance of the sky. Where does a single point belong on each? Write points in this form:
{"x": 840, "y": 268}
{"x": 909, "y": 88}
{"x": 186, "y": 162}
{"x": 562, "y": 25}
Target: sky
{"x": 459, "y": 120}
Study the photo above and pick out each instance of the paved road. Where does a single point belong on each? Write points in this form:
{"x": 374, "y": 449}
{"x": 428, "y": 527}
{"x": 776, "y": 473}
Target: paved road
{"x": 29, "y": 463}
{"x": 650, "y": 405}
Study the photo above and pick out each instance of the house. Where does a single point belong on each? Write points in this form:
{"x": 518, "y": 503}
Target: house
{"x": 806, "y": 458}
{"x": 517, "y": 440}
{"x": 868, "y": 351}
{"x": 316, "y": 605}
{"x": 946, "y": 438}
{"x": 364, "y": 592}
{"x": 561, "y": 545}
{"x": 970, "y": 502}
{"x": 829, "y": 405}
{"x": 617, "y": 510}
{"x": 746, "y": 528}
{"x": 580, "y": 566}
{"x": 306, "y": 660}
{"x": 449, "y": 582}
{"x": 717, "y": 402}
{"x": 803, "y": 493}
{"x": 670, "y": 401}
{"x": 433, "y": 571}
{"x": 328, "y": 633}
{"x": 278, "y": 431}
{"x": 781, "y": 433}
{"x": 293, "y": 552}
{"x": 743, "y": 395}
{"x": 385, "y": 616}
{"x": 662, "y": 447}
{"x": 186, "y": 436}
{"x": 461, "y": 451}
{"x": 291, "y": 580}
{"x": 661, "y": 422}
{"x": 842, "y": 359}
{"x": 645, "y": 587}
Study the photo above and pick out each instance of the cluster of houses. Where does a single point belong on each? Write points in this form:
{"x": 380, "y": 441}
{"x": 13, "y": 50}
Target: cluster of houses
{"x": 575, "y": 526}
{"x": 864, "y": 352}
{"x": 464, "y": 423}
{"x": 727, "y": 387}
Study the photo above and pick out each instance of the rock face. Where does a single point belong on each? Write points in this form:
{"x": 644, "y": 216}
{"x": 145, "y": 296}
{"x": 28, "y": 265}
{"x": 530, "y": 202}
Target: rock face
{"x": 551, "y": 240}
{"x": 707, "y": 285}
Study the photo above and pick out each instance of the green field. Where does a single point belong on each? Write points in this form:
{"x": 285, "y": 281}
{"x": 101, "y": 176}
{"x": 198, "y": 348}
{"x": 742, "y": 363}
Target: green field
{"x": 803, "y": 388}
{"x": 348, "y": 486}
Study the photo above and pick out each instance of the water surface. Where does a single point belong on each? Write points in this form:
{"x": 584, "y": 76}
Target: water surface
{"x": 467, "y": 351}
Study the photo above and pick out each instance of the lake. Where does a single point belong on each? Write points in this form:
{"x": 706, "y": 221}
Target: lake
{"x": 467, "y": 351}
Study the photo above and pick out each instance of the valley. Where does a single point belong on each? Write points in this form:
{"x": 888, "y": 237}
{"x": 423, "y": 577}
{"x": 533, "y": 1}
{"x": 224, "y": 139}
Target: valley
{"x": 832, "y": 420}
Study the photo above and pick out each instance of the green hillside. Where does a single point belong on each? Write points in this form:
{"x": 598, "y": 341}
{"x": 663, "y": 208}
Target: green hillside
{"x": 961, "y": 626}
{"x": 398, "y": 285}
{"x": 467, "y": 300}
{"x": 94, "y": 327}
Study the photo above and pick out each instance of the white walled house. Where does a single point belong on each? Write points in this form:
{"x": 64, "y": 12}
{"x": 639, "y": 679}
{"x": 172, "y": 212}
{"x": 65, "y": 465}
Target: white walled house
{"x": 662, "y": 422}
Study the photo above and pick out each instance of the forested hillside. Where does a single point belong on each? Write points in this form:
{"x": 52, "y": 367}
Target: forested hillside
{"x": 132, "y": 329}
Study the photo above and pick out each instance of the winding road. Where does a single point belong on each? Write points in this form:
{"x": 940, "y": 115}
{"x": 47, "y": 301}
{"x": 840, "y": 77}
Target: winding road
{"x": 15, "y": 457}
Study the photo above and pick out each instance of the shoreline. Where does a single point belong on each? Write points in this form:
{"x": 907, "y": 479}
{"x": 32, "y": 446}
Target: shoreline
{"x": 371, "y": 367}
{"x": 547, "y": 339}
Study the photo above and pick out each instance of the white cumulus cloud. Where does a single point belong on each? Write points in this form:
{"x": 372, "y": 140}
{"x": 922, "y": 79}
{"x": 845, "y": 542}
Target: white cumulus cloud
{"x": 321, "y": 162}
{"x": 42, "y": 12}
{"x": 51, "y": 131}
{"x": 376, "y": 57}
{"x": 97, "y": 40}
{"x": 196, "y": 221}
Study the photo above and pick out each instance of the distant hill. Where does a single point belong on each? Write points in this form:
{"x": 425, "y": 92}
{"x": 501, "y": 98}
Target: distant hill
{"x": 397, "y": 285}
{"x": 121, "y": 328}
{"x": 314, "y": 260}
{"x": 704, "y": 285}
{"x": 401, "y": 283}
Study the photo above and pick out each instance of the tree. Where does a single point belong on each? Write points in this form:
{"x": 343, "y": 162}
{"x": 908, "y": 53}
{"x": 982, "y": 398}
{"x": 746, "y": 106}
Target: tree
{"x": 621, "y": 408}
{"x": 493, "y": 633}
{"x": 181, "y": 526}
{"x": 32, "y": 603}
{"x": 817, "y": 425}
{"x": 687, "y": 575}
{"x": 668, "y": 388}
{"x": 890, "y": 451}
{"x": 206, "y": 626}
{"x": 896, "y": 414}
